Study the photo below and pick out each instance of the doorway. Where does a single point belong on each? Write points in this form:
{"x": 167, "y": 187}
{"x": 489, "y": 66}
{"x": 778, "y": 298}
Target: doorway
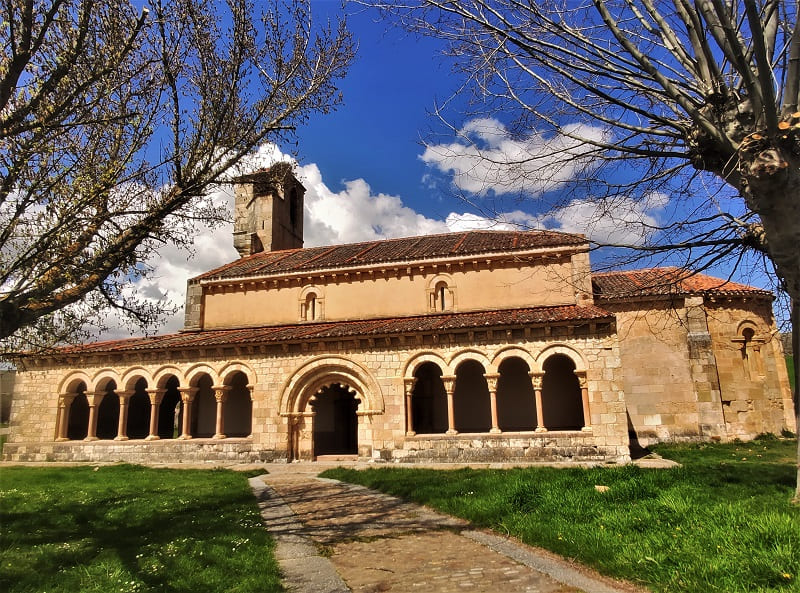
{"x": 335, "y": 421}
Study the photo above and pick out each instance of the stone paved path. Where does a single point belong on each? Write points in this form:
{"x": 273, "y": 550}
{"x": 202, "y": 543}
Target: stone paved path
{"x": 335, "y": 537}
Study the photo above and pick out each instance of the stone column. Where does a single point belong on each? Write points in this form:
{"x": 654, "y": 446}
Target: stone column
{"x": 536, "y": 380}
{"x": 587, "y": 419}
{"x": 491, "y": 381}
{"x": 449, "y": 382}
{"x": 122, "y": 427}
{"x": 220, "y": 394}
{"x": 408, "y": 385}
{"x": 187, "y": 397}
{"x": 156, "y": 396}
{"x": 64, "y": 402}
{"x": 250, "y": 389}
{"x": 92, "y": 398}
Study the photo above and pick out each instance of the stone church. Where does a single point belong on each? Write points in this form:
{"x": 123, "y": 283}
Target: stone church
{"x": 471, "y": 346}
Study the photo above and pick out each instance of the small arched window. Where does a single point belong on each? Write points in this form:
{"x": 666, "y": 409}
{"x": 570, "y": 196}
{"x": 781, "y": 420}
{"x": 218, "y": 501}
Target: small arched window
{"x": 749, "y": 343}
{"x": 311, "y": 306}
{"x": 441, "y": 295}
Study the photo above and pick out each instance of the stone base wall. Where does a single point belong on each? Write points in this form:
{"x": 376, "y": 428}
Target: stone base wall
{"x": 168, "y": 451}
{"x": 521, "y": 447}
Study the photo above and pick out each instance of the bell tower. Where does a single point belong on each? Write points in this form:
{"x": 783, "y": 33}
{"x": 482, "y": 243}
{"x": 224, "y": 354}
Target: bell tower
{"x": 268, "y": 212}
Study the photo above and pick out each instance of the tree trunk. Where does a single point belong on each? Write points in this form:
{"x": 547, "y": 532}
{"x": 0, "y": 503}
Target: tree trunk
{"x": 771, "y": 186}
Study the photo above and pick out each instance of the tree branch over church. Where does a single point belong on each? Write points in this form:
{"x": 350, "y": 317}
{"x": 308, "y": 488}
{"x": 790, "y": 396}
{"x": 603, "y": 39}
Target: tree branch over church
{"x": 698, "y": 100}
{"x": 116, "y": 121}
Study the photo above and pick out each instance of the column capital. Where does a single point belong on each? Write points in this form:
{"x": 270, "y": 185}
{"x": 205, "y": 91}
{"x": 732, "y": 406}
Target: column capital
{"x": 536, "y": 379}
{"x": 449, "y": 382}
{"x": 65, "y": 399}
{"x": 491, "y": 380}
{"x": 408, "y": 384}
{"x": 155, "y": 395}
{"x": 188, "y": 393}
{"x": 124, "y": 394}
{"x": 221, "y": 392}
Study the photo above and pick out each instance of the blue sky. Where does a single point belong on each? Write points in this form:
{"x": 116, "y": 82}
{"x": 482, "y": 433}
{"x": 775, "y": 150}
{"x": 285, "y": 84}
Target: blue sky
{"x": 375, "y": 134}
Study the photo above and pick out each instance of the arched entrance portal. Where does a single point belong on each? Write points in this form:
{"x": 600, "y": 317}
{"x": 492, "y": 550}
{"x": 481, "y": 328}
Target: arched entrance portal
{"x": 335, "y": 426}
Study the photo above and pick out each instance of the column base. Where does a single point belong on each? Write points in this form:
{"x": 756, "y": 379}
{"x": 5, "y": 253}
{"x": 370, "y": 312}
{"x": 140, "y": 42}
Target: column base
{"x": 586, "y": 429}
{"x": 184, "y": 437}
{"x": 91, "y": 439}
{"x": 62, "y": 439}
{"x": 120, "y": 438}
{"x": 219, "y": 436}
{"x": 152, "y": 437}
{"x": 453, "y": 431}
{"x": 540, "y": 429}
{"x": 495, "y": 431}
{"x": 411, "y": 433}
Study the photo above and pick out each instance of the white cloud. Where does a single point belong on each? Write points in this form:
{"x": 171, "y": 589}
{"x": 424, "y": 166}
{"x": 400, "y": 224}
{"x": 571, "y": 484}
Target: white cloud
{"x": 486, "y": 158}
{"x": 356, "y": 213}
{"x": 621, "y": 221}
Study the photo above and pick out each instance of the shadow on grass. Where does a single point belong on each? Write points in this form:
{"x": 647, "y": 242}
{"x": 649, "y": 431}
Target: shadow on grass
{"x": 132, "y": 529}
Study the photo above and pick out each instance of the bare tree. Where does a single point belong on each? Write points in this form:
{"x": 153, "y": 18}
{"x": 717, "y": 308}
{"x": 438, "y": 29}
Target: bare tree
{"x": 697, "y": 98}
{"x": 116, "y": 121}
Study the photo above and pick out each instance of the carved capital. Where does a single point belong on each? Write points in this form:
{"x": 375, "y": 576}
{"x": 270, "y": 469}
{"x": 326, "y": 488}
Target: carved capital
{"x": 187, "y": 393}
{"x": 124, "y": 396}
{"x": 65, "y": 399}
{"x": 491, "y": 380}
{"x": 408, "y": 385}
{"x": 156, "y": 395}
{"x": 221, "y": 392}
{"x": 536, "y": 379}
{"x": 449, "y": 382}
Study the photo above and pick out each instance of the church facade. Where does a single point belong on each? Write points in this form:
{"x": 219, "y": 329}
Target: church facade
{"x": 473, "y": 346}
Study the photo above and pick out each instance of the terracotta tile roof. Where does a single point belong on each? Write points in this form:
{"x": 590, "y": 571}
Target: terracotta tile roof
{"x": 408, "y": 249}
{"x": 346, "y": 329}
{"x": 665, "y": 281}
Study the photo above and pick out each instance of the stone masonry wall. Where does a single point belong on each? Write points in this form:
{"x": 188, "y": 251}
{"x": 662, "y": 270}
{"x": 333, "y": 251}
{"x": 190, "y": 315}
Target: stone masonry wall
{"x": 756, "y": 396}
{"x": 283, "y": 379}
{"x": 684, "y": 377}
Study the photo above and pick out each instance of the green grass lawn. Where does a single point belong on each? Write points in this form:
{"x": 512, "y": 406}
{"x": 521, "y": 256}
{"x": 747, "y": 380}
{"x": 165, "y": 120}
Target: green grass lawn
{"x": 721, "y": 523}
{"x": 131, "y": 529}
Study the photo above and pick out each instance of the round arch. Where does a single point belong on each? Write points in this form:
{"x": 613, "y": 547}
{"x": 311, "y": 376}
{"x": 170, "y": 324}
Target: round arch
{"x": 194, "y": 373}
{"x": 571, "y": 353}
{"x": 747, "y": 324}
{"x": 421, "y": 358}
{"x": 70, "y": 382}
{"x": 102, "y": 378}
{"x": 474, "y": 355}
{"x": 233, "y": 367}
{"x": 163, "y": 374}
{"x": 131, "y": 376}
{"x": 325, "y": 370}
{"x": 513, "y": 352}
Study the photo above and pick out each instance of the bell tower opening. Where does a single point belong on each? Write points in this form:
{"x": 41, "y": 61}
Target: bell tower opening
{"x": 269, "y": 211}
